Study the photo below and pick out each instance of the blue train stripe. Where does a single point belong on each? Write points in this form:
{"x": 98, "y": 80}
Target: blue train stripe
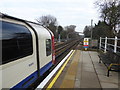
{"x": 24, "y": 84}
{"x": 32, "y": 78}
{"x": 45, "y": 68}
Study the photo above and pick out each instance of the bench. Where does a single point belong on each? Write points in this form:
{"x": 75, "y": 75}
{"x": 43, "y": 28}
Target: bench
{"x": 111, "y": 60}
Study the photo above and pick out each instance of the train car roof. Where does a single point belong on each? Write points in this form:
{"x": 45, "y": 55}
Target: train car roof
{"x": 18, "y": 19}
{"x": 22, "y": 20}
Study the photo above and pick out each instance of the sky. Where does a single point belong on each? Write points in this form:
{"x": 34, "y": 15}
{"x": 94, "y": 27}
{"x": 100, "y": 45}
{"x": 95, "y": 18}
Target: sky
{"x": 67, "y": 12}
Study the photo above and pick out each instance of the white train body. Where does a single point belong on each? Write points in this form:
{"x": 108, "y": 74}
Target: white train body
{"x": 28, "y": 52}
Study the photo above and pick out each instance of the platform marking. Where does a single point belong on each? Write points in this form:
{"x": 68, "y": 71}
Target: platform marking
{"x": 60, "y": 71}
{"x": 44, "y": 82}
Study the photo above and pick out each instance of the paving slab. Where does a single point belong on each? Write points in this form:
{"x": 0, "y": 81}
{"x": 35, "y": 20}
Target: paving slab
{"x": 101, "y": 71}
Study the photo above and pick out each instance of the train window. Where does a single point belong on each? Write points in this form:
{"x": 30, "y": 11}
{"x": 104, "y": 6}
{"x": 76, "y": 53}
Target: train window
{"x": 48, "y": 47}
{"x": 16, "y": 42}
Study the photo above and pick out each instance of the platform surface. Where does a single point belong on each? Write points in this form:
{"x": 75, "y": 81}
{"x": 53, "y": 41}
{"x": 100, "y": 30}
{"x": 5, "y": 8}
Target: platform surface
{"x": 84, "y": 71}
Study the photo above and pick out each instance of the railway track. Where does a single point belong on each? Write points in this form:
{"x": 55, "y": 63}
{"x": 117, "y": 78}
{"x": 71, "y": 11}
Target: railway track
{"x": 62, "y": 48}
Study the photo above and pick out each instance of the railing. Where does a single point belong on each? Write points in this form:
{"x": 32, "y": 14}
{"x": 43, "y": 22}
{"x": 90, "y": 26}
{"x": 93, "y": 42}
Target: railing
{"x": 110, "y": 44}
{"x": 111, "y": 57}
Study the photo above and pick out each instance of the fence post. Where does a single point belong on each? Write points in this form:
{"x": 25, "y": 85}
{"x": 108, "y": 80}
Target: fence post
{"x": 100, "y": 44}
{"x": 105, "y": 45}
{"x": 115, "y": 44}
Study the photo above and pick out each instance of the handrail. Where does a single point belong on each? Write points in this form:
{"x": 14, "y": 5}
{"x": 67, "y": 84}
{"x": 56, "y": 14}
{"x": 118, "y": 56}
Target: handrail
{"x": 104, "y": 44}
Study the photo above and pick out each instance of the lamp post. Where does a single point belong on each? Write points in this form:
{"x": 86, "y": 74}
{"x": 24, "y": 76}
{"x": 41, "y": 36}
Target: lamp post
{"x": 91, "y": 28}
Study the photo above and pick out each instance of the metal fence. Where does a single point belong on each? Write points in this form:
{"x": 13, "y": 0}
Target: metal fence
{"x": 110, "y": 44}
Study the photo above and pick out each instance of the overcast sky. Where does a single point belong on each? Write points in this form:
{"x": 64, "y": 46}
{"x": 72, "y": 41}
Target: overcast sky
{"x": 67, "y": 12}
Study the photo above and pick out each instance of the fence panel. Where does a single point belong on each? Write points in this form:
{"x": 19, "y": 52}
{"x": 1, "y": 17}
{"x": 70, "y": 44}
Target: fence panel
{"x": 110, "y": 43}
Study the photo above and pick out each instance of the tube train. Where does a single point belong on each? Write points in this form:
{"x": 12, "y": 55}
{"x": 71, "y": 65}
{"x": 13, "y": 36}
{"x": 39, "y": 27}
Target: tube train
{"x": 27, "y": 52}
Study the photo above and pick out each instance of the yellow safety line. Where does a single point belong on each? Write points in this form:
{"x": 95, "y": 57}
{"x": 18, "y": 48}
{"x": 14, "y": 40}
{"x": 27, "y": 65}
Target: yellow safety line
{"x": 58, "y": 74}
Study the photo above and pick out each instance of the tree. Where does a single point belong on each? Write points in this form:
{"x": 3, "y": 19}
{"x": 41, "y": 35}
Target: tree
{"x": 110, "y": 13}
{"x": 48, "y": 21}
{"x": 70, "y": 30}
{"x": 87, "y": 31}
{"x": 63, "y": 34}
{"x": 102, "y": 29}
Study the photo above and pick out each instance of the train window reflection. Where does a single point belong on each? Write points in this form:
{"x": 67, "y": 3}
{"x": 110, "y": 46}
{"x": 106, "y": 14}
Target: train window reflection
{"x": 48, "y": 47}
{"x": 16, "y": 42}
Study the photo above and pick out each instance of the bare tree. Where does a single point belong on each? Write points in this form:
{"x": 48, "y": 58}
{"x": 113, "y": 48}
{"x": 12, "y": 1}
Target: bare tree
{"x": 70, "y": 28}
{"x": 87, "y": 31}
{"x": 110, "y": 12}
{"x": 70, "y": 31}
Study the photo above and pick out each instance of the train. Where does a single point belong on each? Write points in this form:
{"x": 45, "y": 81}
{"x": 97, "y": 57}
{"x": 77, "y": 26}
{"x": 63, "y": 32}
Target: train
{"x": 28, "y": 51}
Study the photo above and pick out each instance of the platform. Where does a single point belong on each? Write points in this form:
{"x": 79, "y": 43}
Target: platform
{"x": 83, "y": 70}
{"x": 93, "y": 74}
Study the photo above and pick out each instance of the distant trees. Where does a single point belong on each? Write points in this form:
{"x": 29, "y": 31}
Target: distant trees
{"x": 101, "y": 29}
{"x": 70, "y": 28}
{"x": 110, "y": 13}
{"x": 109, "y": 25}
{"x": 70, "y": 31}
{"x": 51, "y": 23}
{"x": 87, "y": 31}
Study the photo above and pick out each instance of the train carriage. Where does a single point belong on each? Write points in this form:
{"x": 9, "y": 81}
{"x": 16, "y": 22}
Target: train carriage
{"x": 27, "y": 52}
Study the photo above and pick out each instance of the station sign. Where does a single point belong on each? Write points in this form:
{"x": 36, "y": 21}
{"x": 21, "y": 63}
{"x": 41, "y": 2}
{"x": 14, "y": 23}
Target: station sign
{"x": 86, "y": 43}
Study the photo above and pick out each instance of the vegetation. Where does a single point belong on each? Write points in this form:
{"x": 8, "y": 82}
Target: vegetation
{"x": 109, "y": 25}
{"x": 51, "y": 23}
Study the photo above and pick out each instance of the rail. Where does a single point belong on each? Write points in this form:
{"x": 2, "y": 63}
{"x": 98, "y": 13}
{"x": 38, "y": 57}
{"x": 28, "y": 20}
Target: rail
{"x": 60, "y": 49}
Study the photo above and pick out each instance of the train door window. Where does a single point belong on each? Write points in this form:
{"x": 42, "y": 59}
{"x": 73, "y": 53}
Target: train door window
{"x": 16, "y": 42}
{"x": 48, "y": 47}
